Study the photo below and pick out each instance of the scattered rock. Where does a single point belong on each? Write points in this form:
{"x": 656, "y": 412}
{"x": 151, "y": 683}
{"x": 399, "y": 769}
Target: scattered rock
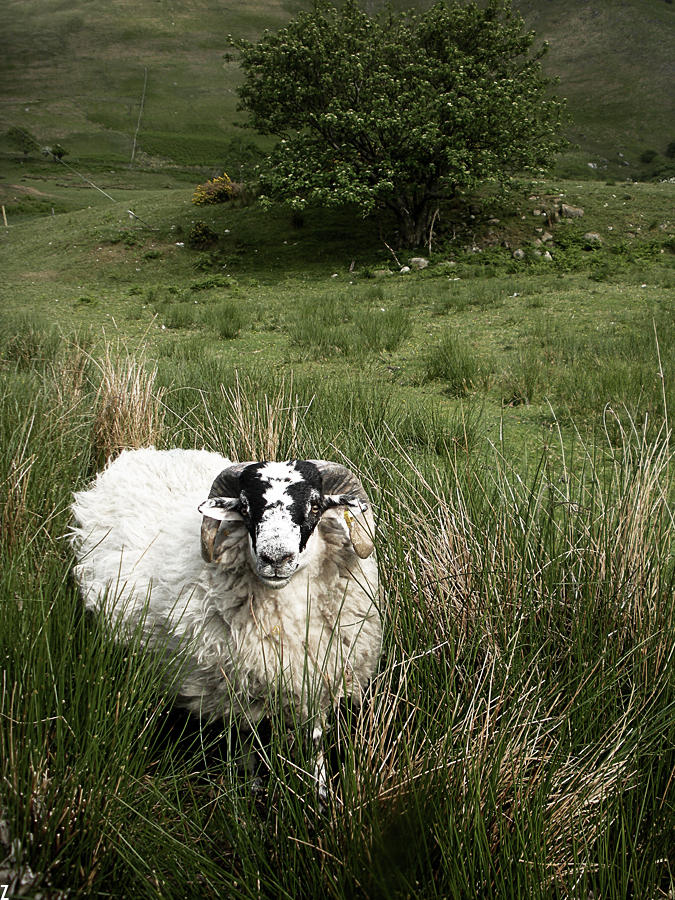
{"x": 493, "y": 221}
{"x": 382, "y": 273}
{"x": 536, "y": 212}
{"x": 405, "y": 270}
{"x": 419, "y": 262}
{"x": 546, "y": 237}
{"x": 537, "y": 242}
{"x": 519, "y": 254}
{"x": 547, "y": 256}
{"x": 571, "y": 212}
{"x": 593, "y": 239}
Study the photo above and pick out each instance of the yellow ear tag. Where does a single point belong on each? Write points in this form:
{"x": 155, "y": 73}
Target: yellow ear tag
{"x": 349, "y": 520}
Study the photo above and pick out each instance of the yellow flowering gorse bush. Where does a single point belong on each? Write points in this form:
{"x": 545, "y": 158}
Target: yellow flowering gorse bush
{"x": 215, "y": 190}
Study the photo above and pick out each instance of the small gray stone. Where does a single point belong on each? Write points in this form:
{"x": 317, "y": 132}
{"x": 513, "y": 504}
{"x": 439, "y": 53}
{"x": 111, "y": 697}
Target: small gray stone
{"x": 571, "y": 212}
{"x": 593, "y": 238}
{"x": 547, "y": 256}
{"x": 405, "y": 270}
{"x": 419, "y": 262}
{"x": 519, "y": 254}
{"x": 546, "y": 237}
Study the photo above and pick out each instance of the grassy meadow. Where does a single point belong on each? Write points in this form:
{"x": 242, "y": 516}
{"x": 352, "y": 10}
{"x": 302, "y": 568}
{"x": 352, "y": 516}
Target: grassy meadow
{"x": 511, "y": 420}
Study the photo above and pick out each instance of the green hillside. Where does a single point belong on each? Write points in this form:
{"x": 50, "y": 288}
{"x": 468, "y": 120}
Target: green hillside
{"x": 74, "y": 73}
{"x": 614, "y": 60}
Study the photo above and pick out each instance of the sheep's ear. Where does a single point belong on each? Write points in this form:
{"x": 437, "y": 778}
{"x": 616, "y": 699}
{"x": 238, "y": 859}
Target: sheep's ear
{"x": 358, "y": 518}
{"x": 219, "y": 507}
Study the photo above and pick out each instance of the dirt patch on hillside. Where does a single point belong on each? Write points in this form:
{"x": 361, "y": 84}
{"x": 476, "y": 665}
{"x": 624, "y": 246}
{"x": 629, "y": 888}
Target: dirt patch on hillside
{"x": 42, "y": 275}
{"x": 12, "y": 192}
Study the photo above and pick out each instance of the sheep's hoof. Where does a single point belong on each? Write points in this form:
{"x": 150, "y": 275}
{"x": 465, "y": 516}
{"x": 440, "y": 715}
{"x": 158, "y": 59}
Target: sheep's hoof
{"x": 257, "y": 786}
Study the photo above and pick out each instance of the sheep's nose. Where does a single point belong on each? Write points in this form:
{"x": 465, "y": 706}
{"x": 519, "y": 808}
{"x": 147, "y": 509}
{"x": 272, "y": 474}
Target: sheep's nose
{"x": 275, "y": 561}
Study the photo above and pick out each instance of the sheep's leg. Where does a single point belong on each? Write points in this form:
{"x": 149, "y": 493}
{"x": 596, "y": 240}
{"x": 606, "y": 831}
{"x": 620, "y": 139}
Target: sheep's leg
{"x": 250, "y": 766}
{"x": 320, "y": 774}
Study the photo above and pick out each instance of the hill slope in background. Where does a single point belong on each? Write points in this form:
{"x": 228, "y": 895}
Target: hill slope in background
{"x": 74, "y": 73}
{"x": 614, "y": 60}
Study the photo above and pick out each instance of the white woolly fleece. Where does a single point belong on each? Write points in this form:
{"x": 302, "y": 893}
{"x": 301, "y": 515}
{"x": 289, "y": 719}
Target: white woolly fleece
{"x": 136, "y": 535}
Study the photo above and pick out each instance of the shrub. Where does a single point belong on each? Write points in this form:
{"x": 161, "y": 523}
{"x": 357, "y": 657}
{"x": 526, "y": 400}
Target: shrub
{"x": 216, "y": 190}
{"x": 213, "y": 281}
{"x": 59, "y": 151}
{"x": 23, "y": 140}
{"x": 201, "y": 236}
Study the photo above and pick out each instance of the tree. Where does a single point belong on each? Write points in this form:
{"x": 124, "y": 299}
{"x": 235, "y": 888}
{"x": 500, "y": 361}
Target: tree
{"x": 58, "y": 152}
{"x": 398, "y": 111}
{"x": 23, "y": 140}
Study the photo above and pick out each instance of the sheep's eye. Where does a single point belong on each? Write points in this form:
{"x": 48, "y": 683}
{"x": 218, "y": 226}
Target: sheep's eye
{"x": 315, "y": 509}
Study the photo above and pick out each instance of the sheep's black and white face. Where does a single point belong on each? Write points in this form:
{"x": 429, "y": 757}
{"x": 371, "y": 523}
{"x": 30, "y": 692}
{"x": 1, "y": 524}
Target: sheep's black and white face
{"x": 281, "y": 504}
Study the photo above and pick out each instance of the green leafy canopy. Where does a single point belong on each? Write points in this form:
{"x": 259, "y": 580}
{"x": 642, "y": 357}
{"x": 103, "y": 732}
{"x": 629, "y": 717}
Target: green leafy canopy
{"x": 398, "y": 111}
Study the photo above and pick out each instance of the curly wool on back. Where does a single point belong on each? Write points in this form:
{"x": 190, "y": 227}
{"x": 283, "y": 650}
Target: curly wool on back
{"x": 253, "y": 622}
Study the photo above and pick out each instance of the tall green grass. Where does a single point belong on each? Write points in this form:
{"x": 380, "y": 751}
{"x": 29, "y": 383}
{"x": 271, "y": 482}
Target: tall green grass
{"x": 453, "y": 362}
{"x": 626, "y": 366}
{"x": 518, "y": 739}
{"x": 336, "y": 324}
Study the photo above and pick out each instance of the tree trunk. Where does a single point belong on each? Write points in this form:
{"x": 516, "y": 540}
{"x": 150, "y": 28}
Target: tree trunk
{"x": 414, "y": 221}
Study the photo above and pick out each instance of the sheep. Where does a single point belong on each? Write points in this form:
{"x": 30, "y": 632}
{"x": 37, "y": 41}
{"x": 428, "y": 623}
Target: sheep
{"x": 270, "y": 597}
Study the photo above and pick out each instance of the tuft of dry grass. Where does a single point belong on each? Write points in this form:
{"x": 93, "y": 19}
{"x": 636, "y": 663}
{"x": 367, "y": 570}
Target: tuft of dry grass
{"x": 129, "y": 411}
{"x": 14, "y": 488}
{"x": 254, "y": 427}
